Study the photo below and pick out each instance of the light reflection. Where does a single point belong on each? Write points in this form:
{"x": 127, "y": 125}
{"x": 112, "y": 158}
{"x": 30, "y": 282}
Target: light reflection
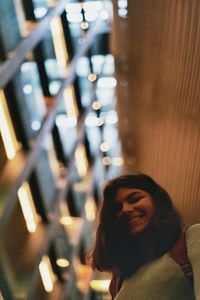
{"x": 58, "y": 41}
{"x": 62, "y": 262}
{"x": 70, "y": 102}
{"x": 35, "y": 125}
{"x": 92, "y": 77}
{"x": 104, "y": 147}
{"x": 28, "y": 208}
{"x": 66, "y": 220}
{"x": 107, "y": 161}
{"x": 91, "y": 121}
{"x": 47, "y": 274}
{"x": 100, "y": 285}
{"x": 40, "y": 12}
{"x": 81, "y": 160}
{"x": 90, "y": 209}
{"x": 62, "y": 121}
{"x": 27, "y": 89}
{"x": 6, "y": 128}
{"x": 106, "y": 82}
{"x": 84, "y": 25}
{"x": 96, "y": 105}
{"x": 111, "y": 117}
{"x": 99, "y": 122}
{"x": 117, "y": 161}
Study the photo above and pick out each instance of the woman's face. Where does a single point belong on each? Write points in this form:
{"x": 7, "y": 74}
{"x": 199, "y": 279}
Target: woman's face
{"x": 135, "y": 209}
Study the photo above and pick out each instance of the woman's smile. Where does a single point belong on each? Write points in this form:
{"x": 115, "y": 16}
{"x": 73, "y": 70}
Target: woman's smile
{"x": 135, "y": 209}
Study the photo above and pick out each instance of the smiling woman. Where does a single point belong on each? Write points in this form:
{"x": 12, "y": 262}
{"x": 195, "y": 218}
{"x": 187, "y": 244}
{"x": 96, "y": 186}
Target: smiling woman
{"x": 136, "y": 210}
{"x": 141, "y": 241}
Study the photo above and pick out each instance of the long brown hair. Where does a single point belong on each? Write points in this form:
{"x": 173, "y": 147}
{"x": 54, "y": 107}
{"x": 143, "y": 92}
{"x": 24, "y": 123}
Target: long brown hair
{"x": 116, "y": 250}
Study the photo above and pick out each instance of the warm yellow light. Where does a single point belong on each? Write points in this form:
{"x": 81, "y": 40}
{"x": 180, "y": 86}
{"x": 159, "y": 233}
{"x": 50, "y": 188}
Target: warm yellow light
{"x": 47, "y": 275}
{"x": 100, "y": 285}
{"x": 107, "y": 161}
{"x": 58, "y": 41}
{"x": 70, "y": 102}
{"x": 62, "y": 262}
{"x": 90, "y": 209}
{"x": 96, "y": 105}
{"x": 28, "y": 208}
{"x": 81, "y": 160}
{"x": 66, "y": 220}
{"x": 92, "y": 77}
{"x": 7, "y": 132}
{"x": 84, "y": 25}
{"x": 117, "y": 161}
{"x": 1, "y": 296}
{"x": 104, "y": 147}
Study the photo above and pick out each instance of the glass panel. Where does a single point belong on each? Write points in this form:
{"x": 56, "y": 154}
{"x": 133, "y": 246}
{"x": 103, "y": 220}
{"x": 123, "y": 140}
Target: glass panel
{"x": 20, "y": 249}
{"x": 55, "y": 55}
{"x": 9, "y": 28}
{"x": 29, "y": 99}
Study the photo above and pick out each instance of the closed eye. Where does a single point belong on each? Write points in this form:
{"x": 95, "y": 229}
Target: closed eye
{"x": 134, "y": 199}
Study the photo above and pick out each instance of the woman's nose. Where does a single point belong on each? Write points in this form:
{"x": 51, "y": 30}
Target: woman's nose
{"x": 126, "y": 207}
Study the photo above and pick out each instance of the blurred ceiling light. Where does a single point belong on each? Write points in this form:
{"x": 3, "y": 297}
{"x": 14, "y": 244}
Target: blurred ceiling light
{"x": 62, "y": 121}
{"x": 90, "y": 209}
{"x": 84, "y": 25}
{"x": 107, "y": 161}
{"x": 117, "y": 161}
{"x": 104, "y": 147}
{"x": 39, "y": 12}
{"x": 91, "y": 16}
{"x": 104, "y": 15}
{"x": 123, "y": 12}
{"x": 70, "y": 102}
{"x": 27, "y": 89}
{"x": 100, "y": 285}
{"x": 92, "y": 77}
{"x": 28, "y": 208}
{"x": 81, "y": 160}
{"x": 93, "y": 5}
{"x": 59, "y": 41}
{"x": 111, "y": 117}
{"x": 62, "y": 262}
{"x": 73, "y": 7}
{"x": 106, "y": 82}
{"x": 83, "y": 68}
{"x": 35, "y": 125}
{"x": 47, "y": 274}
{"x": 6, "y": 129}
{"x": 99, "y": 121}
{"x": 74, "y": 17}
{"x": 96, "y": 105}
{"x": 122, "y": 3}
{"x": 65, "y": 218}
{"x": 91, "y": 120}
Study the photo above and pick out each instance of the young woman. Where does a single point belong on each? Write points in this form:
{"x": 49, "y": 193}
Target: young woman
{"x": 141, "y": 241}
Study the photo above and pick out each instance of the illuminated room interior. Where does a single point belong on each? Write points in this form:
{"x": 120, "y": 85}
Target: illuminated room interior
{"x": 89, "y": 90}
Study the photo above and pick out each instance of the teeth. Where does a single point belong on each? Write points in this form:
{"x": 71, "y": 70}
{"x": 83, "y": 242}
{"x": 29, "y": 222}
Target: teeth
{"x": 136, "y": 218}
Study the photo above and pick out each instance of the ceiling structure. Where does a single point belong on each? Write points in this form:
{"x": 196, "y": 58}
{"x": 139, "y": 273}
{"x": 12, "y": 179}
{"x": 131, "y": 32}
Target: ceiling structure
{"x": 156, "y": 46}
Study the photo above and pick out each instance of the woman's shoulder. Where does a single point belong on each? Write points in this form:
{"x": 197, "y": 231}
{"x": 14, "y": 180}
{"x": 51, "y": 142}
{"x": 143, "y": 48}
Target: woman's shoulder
{"x": 193, "y": 239}
{"x": 193, "y": 230}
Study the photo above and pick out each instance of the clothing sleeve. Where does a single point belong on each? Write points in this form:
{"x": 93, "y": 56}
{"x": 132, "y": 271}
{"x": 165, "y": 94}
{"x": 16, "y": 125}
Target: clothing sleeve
{"x": 193, "y": 251}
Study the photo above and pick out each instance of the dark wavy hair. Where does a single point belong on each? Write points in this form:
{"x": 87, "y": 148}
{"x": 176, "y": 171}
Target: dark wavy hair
{"x": 116, "y": 250}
